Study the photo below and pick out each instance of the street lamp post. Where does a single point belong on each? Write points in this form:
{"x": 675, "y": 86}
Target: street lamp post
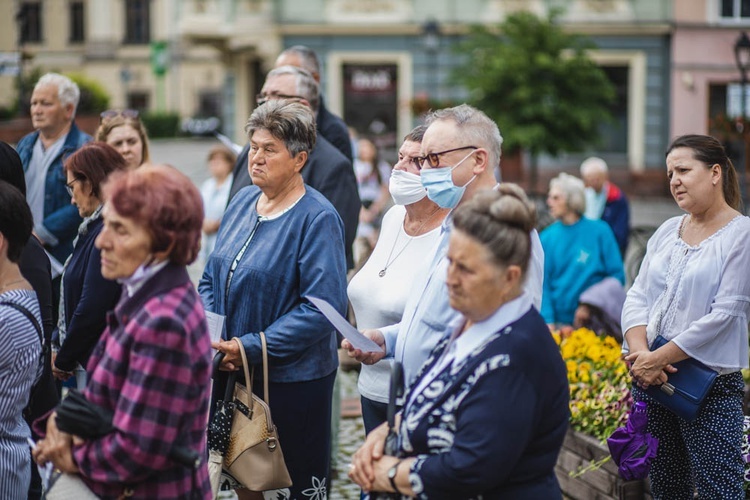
{"x": 742, "y": 58}
{"x": 21, "y": 19}
{"x": 431, "y": 43}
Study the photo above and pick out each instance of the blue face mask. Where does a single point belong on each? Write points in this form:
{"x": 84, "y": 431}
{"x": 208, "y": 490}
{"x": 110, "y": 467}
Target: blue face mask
{"x": 439, "y": 185}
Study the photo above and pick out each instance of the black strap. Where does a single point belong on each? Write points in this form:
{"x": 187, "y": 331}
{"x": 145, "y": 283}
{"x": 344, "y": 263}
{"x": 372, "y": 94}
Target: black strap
{"x": 28, "y": 314}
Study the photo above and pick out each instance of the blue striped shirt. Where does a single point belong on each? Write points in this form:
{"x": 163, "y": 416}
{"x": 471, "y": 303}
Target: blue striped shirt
{"x": 19, "y": 362}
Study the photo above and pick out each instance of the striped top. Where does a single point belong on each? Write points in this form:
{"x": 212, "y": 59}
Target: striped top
{"x": 19, "y": 360}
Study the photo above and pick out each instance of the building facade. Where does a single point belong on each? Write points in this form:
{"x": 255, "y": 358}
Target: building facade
{"x": 383, "y": 61}
{"x": 706, "y": 93}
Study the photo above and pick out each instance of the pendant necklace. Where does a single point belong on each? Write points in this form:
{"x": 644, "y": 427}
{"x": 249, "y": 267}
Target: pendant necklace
{"x": 390, "y": 261}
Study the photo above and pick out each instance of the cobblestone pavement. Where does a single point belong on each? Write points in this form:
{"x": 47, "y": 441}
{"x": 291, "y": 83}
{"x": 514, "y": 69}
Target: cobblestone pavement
{"x": 351, "y": 436}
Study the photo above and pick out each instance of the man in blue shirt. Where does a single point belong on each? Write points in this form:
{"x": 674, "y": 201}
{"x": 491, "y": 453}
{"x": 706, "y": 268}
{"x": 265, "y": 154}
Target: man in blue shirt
{"x": 53, "y": 106}
{"x": 460, "y": 151}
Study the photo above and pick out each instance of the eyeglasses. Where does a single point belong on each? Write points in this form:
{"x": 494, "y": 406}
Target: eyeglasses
{"x": 69, "y": 186}
{"x": 263, "y": 98}
{"x": 417, "y": 161}
{"x": 111, "y": 113}
{"x": 433, "y": 159}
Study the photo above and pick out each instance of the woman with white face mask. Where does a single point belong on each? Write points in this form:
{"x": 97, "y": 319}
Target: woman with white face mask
{"x": 409, "y": 233}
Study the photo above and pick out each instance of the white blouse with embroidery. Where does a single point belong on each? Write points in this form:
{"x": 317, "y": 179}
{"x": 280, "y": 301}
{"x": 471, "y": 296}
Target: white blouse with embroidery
{"x": 698, "y": 296}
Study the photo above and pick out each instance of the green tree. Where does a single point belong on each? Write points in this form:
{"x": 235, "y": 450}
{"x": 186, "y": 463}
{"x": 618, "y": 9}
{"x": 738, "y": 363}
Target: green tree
{"x": 94, "y": 97}
{"x": 537, "y": 82}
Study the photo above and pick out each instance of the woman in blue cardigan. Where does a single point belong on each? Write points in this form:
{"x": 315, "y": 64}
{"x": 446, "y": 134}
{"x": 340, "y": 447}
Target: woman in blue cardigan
{"x": 487, "y": 415}
{"x": 86, "y": 295}
{"x": 281, "y": 241}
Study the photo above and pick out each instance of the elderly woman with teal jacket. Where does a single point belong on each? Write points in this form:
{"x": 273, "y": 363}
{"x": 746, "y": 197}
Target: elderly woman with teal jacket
{"x": 578, "y": 252}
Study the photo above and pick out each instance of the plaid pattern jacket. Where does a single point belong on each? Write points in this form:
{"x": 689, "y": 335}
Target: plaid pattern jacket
{"x": 152, "y": 368}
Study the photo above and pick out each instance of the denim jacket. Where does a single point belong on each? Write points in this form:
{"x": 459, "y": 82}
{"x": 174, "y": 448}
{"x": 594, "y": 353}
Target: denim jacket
{"x": 297, "y": 254}
{"x": 61, "y": 219}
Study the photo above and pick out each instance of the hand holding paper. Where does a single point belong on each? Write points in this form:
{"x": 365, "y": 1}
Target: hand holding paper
{"x": 357, "y": 340}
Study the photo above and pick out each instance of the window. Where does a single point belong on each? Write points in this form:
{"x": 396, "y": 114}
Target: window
{"x": 735, "y": 9}
{"x": 138, "y": 100}
{"x": 30, "y": 22}
{"x": 77, "y": 25}
{"x": 209, "y": 104}
{"x": 614, "y": 133}
{"x": 137, "y": 21}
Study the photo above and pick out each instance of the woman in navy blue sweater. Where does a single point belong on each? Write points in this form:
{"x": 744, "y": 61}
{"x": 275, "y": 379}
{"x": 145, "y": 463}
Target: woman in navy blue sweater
{"x": 86, "y": 295}
{"x": 487, "y": 415}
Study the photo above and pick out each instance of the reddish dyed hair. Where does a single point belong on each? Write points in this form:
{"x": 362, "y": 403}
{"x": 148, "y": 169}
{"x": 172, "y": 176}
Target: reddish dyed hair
{"x": 93, "y": 163}
{"x": 166, "y": 202}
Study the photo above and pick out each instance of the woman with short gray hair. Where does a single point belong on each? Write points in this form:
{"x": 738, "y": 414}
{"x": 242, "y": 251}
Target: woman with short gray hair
{"x": 280, "y": 242}
{"x": 578, "y": 252}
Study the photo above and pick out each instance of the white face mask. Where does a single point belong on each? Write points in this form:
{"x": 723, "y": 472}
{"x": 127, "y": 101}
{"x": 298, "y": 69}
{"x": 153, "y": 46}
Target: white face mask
{"x": 406, "y": 188}
{"x": 141, "y": 272}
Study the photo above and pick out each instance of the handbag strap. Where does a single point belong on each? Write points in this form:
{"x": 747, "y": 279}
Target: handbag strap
{"x": 249, "y": 374}
{"x": 29, "y": 316}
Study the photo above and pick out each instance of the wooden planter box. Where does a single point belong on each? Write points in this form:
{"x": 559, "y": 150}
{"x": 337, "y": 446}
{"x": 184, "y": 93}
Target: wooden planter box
{"x": 603, "y": 483}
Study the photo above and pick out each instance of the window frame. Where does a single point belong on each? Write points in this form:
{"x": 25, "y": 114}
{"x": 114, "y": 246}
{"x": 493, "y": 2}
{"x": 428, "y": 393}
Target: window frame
{"x": 25, "y": 9}
{"x": 77, "y": 21}
{"x": 137, "y": 22}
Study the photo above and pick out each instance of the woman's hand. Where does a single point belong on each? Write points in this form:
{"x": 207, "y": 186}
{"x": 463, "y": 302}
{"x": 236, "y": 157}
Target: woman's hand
{"x": 361, "y": 470}
{"x": 647, "y": 368}
{"x": 232, "y": 360}
{"x": 58, "y": 373}
{"x": 56, "y": 447}
{"x": 368, "y": 358}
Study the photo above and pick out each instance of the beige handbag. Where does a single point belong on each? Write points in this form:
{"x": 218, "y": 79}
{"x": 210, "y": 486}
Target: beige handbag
{"x": 254, "y": 456}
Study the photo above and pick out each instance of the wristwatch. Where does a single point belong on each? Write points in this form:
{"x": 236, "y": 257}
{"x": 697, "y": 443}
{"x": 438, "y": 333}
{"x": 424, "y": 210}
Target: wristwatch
{"x": 392, "y": 475}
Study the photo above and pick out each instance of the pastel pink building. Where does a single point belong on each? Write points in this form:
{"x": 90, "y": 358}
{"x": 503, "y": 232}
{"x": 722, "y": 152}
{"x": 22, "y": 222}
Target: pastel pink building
{"x": 705, "y": 91}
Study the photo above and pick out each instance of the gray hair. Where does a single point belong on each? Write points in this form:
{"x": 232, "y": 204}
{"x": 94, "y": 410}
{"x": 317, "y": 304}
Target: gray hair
{"x": 593, "y": 165}
{"x": 307, "y": 58}
{"x": 288, "y": 121}
{"x": 416, "y": 134}
{"x": 305, "y": 85}
{"x": 67, "y": 90}
{"x": 501, "y": 220}
{"x": 573, "y": 189}
{"x": 474, "y": 127}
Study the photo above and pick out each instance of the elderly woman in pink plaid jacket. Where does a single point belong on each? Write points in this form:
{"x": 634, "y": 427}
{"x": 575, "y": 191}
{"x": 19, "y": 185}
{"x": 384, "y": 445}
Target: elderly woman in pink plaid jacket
{"x": 152, "y": 366}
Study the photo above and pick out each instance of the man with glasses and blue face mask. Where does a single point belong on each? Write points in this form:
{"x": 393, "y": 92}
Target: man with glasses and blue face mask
{"x": 459, "y": 153}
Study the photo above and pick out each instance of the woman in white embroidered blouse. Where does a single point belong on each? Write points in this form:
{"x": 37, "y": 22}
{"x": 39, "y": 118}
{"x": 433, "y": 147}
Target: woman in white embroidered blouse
{"x": 693, "y": 289}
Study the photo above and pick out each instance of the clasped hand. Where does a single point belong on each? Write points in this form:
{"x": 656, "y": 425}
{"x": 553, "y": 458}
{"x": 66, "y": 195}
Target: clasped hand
{"x": 57, "y": 447}
{"x": 647, "y": 369}
{"x": 369, "y": 464}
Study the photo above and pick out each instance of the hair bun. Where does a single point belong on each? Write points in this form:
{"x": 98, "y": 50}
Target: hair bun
{"x": 513, "y": 207}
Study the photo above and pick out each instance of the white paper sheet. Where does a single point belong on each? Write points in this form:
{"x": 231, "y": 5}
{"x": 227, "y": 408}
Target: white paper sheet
{"x": 215, "y": 326}
{"x": 350, "y": 333}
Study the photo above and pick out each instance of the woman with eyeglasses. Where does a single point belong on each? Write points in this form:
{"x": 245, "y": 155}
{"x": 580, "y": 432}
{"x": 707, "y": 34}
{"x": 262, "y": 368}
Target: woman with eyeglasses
{"x": 578, "y": 252}
{"x": 124, "y": 131}
{"x": 86, "y": 295}
{"x": 379, "y": 291}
